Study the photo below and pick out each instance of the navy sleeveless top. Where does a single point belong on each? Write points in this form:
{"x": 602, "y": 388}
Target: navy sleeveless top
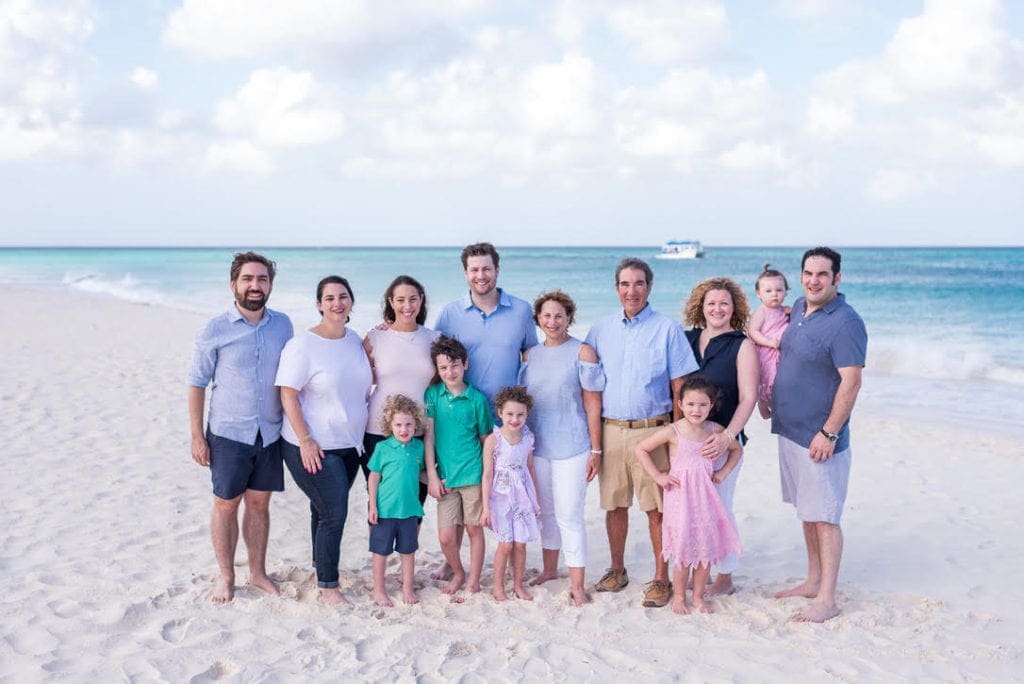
{"x": 718, "y": 364}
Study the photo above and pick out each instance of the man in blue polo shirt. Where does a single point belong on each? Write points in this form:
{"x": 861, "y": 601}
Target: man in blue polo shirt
{"x": 237, "y": 352}
{"x": 495, "y": 327}
{"x": 822, "y": 355}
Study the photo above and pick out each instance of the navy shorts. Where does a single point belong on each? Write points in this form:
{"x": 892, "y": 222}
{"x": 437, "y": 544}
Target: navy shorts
{"x": 236, "y": 466}
{"x": 394, "y": 534}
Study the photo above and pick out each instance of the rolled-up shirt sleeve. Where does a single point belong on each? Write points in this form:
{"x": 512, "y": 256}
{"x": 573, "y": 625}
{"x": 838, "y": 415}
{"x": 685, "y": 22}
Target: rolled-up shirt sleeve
{"x": 680, "y": 356}
{"x": 204, "y": 359}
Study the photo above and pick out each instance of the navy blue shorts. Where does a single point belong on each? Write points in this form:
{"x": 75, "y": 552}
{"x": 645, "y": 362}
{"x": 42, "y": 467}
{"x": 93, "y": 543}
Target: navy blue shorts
{"x": 394, "y": 534}
{"x": 236, "y": 466}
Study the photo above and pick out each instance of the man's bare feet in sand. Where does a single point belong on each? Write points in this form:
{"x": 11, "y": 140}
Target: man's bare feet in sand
{"x": 265, "y": 583}
{"x": 410, "y": 597}
{"x": 679, "y": 605}
{"x": 331, "y": 596}
{"x": 816, "y": 613}
{"x": 579, "y": 596}
{"x": 457, "y": 580}
{"x": 381, "y": 598}
{"x": 722, "y": 586}
{"x": 521, "y": 592}
{"x": 443, "y": 572}
{"x": 805, "y": 589}
{"x": 543, "y": 577}
{"x": 223, "y": 590}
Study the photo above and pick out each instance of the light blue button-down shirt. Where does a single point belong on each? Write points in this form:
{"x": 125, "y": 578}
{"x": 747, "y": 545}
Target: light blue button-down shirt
{"x": 240, "y": 359}
{"x": 640, "y": 357}
{"x": 495, "y": 341}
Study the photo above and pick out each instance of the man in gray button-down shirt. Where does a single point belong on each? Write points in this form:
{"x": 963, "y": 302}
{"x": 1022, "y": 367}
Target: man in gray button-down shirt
{"x": 237, "y": 353}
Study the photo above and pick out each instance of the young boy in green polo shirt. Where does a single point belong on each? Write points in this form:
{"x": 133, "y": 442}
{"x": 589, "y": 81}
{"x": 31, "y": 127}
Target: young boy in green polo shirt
{"x": 394, "y": 504}
{"x": 460, "y": 419}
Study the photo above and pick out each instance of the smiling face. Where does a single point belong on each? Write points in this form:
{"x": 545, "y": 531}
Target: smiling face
{"x": 451, "y": 371}
{"x": 481, "y": 274}
{"x": 513, "y": 415}
{"x": 819, "y": 282}
{"x": 406, "y": 302}
{"x": 695, "y": 406}
{"x": 335, "y": 303}
{"x": 633, "y": 290}
{"x": 252, "y": 287}
{"x": 553, "y": 320}
{"x": 718, "y": 309}
{"x": 403, "y": 426}
{"x": 771, "y": 290}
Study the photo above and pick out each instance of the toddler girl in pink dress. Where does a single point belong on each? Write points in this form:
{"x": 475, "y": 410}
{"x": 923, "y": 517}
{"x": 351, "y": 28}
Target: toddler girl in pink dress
{"x": 696, "y": 530}
{"x": 766, "y": 327}
{"x": 509, "y": 489}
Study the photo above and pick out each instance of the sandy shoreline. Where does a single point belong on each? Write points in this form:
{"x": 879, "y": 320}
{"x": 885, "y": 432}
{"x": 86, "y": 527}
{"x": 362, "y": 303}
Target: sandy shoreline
{"x": 105, "y": 560}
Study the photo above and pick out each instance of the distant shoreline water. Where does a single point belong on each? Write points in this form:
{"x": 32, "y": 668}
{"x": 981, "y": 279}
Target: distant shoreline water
{"x": 944, "y": 323}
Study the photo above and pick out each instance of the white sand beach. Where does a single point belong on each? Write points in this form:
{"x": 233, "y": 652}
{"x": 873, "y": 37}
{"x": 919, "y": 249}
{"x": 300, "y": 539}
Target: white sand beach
{"x": 106, "y": 564}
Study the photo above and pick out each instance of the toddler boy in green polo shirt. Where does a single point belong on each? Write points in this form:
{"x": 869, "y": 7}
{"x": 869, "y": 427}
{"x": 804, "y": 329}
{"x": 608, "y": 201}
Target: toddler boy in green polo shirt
{"x": 460, "y": 419}
{"x": 393, "y": 500}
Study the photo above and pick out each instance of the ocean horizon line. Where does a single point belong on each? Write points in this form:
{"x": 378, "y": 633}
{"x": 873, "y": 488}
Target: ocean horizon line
{"x": 502, "y": 246}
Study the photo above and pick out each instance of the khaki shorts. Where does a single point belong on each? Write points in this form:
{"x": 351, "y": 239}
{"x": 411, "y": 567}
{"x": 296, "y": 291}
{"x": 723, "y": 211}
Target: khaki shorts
{"x": 460, "y": 506}
{"x": 621, "y": 474}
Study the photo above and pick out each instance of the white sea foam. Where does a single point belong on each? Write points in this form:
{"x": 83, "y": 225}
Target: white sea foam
{"x": 949, "y": 359}
{"x": 127, "y": 287}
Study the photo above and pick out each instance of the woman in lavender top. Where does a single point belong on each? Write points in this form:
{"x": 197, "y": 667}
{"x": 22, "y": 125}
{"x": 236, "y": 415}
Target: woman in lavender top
{"x": 565, "y": 379}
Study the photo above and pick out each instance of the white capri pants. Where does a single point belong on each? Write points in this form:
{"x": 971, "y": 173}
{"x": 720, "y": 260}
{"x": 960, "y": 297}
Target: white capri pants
{"x": 726, "y": 491}
{"x": 562, "y": 490}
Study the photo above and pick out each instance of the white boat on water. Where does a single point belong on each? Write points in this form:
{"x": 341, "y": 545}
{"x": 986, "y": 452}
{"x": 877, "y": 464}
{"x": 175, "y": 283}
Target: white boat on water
{"x": 681, "y": 249}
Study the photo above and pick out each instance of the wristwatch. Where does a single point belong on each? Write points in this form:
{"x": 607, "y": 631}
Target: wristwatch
{"x": 832, "y": 437}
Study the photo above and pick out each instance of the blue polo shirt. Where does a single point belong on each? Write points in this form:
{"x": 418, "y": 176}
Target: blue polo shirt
{"x": 494, "y": 341}
{"x": 240, "y": 360}
{"x": 811, "y": 352}
{"x": 640, "y": 357}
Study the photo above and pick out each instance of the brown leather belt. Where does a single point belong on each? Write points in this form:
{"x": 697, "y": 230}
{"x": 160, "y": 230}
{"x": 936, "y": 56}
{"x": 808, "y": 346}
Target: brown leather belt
{"x": 656, "y": 421}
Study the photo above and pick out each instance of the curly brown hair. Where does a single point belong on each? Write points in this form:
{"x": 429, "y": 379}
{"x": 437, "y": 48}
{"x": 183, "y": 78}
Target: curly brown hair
{"x": 554, "y": 296}
{"x": 399, "y": 403}
{"x": 516, "y": 393}
{"x": 693, "y": 309}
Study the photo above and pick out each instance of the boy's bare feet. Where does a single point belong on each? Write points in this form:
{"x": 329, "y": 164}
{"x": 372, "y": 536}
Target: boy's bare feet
{"x": 805, "y": 589}
{"x": 456, "y": 582}
{"x": 522, "y": 593}
{"x": 331, "y": 596}
{"x": 474, "y": 587}
{"x": 265, "y": 583}
{"x": 817, "y": 613}
{"x": 381, "y": 598}
{"x": 679, "y": 605}
{"x": 443, "y": 572}
{"x": 543, "y": 577}
{"x": 722, "y": 586}
{"x": 410, "y": 597}
{"x": 498, "y": 592}
{"x": 223, "y": 590}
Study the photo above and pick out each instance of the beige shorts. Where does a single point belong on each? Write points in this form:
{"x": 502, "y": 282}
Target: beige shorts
{"x": 460, "y": 506}
{"x": 621, "y": 474}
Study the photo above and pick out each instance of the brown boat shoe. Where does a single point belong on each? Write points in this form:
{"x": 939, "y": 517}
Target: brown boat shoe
{"x": 613, "y": 580}
{"x": 657, "y": 593}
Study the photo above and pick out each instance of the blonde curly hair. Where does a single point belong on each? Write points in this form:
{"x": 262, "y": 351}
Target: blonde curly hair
{"x": 399, "y": 403}
{"x": 693, "y": 309}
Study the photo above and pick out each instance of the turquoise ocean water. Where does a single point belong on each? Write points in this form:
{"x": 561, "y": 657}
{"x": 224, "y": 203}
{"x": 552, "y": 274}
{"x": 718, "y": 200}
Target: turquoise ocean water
{"x": 946, "y": 325}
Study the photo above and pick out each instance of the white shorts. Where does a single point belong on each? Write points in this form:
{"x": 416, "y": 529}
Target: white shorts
{"x": 818, "y": 490}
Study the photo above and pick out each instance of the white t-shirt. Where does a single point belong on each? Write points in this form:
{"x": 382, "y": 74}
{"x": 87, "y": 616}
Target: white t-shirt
{"x": 402, "y": 365}
{"x": 333, "y": 379}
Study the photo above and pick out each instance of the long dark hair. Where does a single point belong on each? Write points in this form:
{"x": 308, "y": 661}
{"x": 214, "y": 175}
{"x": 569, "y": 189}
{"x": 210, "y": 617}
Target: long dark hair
{"x": 389, "y": 311}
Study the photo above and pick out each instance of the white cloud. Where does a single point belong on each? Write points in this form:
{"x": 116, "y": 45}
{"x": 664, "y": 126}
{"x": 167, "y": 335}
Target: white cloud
{"x": 144, "y": 78}
{"x": 817, "y": 9}
{"x": 281, "y": 108}
{"x": 890, "y": 185}
{"x": 558, "y": 98}
{"x": 237, "y": 156}
{"x": 827, "y": 120}
{"x": 229, "y": 28}
{"x": 667, "y": 31}
{"x": 751, "y": 156}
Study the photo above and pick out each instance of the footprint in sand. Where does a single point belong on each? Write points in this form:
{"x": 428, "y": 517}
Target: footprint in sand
{"x": 174, "y": 631}
{"x": 219, "y": 670}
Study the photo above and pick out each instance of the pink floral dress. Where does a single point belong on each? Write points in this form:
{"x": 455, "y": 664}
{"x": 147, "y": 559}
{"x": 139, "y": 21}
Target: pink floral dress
{"x": 513, "y": 501}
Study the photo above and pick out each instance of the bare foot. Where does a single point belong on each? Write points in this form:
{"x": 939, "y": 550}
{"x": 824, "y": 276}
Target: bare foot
{"x": 579, "y": 596}
{"x": 474, "y": 588}
{"x": 410, "y": 597}
{"x": 443, "y": 573}
{"x": 521, "y": 592}
{"x": 679, "y": 606}
{"x": 265, "y": 583}
{"x": 498, "y": 592}
{"x": 805, "y": 589}
{"x": 457, "y": 580}
{"x": 331, "y": 596}
{"x": 543, "y": 577}
{"x": 701, "y": 607}
{"x": 223, "y": 590}
{"x": 381, "y": 598}
{"x": 722, "y": 586}
{"x": 817, "y": 613}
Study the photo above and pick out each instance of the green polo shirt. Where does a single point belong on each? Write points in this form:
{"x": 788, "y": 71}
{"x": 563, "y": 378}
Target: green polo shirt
{"x": 399, "y": 466}
{"x": 459, "y": 423}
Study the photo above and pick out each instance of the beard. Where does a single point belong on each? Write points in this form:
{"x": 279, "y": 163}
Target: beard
{"x": 251, "y": 304}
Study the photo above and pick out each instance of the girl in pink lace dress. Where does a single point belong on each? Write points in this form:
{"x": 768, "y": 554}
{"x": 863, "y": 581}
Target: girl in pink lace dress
{"x": 696, "y": 530}
{"x": 509, "y": 489}
{"x": 766, "y": 327}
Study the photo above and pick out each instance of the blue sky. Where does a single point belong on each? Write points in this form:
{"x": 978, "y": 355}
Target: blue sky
{"x": 778, "y": 122}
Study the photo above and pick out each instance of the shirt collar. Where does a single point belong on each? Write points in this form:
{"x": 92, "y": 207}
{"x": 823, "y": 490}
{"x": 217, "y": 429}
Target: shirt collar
{"x": 503, "y": 300}
{"x": 465, "y": 393}
{"x": 641, "y": 315}
{"x": 234, "y": 315}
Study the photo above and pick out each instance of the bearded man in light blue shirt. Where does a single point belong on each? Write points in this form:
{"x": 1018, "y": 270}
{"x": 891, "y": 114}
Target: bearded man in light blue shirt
{"x": 645, "y": 356}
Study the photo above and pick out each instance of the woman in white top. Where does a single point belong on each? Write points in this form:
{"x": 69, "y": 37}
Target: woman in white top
{"x": 325, "y": 380}
{"x": 400, "y": 356}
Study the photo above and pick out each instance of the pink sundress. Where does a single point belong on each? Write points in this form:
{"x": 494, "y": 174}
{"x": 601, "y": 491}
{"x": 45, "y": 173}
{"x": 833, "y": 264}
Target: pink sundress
{"x": 513, "y": 501}
{"x": 775, "y": 323}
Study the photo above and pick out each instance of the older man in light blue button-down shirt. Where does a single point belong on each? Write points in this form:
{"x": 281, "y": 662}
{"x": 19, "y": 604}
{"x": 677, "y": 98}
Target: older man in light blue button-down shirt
{"x": 237, "y": 353}
{"x": 645, "y": 356}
